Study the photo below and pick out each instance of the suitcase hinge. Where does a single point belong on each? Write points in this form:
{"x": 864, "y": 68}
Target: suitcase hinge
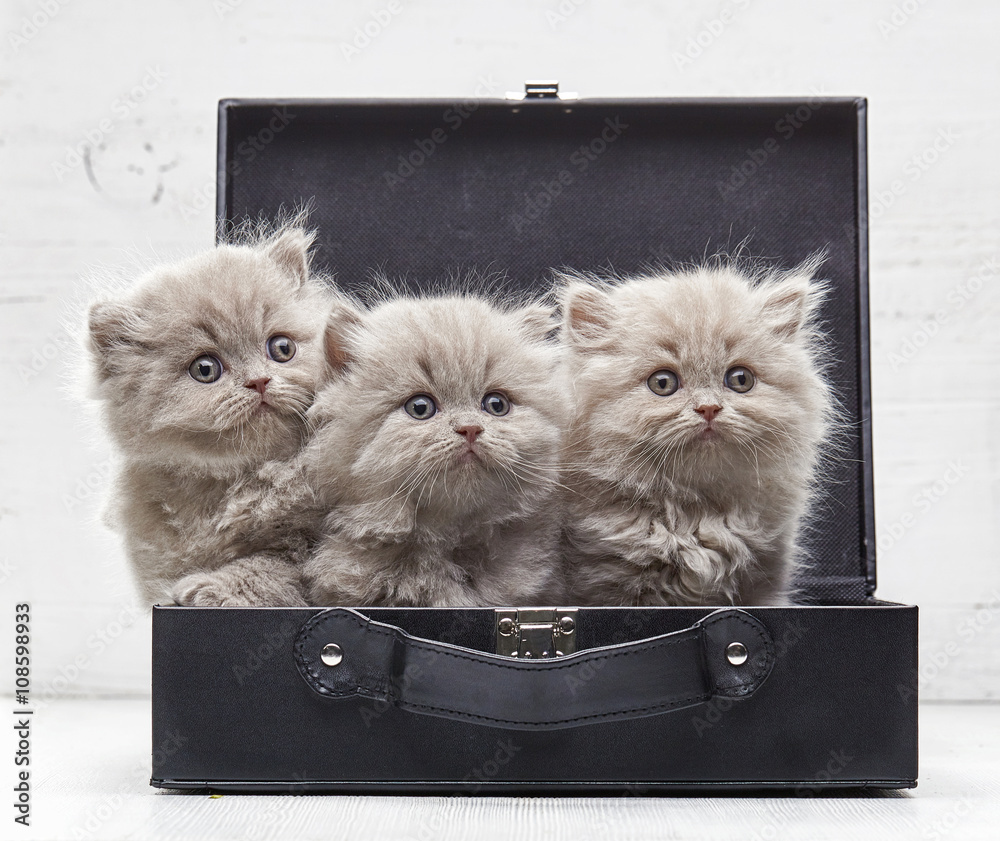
{"x": 536, "y": 633}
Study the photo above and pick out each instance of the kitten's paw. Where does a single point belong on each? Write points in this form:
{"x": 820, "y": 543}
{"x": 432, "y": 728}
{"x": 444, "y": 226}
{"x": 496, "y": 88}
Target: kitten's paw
{"x": 279, "y": 473}
{"x": 239, "y": 515}
{"x": 246, "y": 509}
{"x": 265, "y": 502}
{"x": 223, "y": 588}
{"x": 201, "y": 589}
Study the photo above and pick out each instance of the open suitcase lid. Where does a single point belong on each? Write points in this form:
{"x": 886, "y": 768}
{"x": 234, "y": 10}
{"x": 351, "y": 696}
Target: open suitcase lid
{"x": 424, "y": 190}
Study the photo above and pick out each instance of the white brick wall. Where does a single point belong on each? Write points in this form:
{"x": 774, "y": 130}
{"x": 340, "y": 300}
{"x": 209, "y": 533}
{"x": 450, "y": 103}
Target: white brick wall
{"x": 147, "y": 76}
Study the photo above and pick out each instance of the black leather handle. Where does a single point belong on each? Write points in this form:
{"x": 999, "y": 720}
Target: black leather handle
{"x": 631, "y": 680}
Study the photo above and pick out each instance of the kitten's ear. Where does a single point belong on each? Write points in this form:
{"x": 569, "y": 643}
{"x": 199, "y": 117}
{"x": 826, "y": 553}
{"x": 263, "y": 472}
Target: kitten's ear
{"x": 537, "y": 321}
{"x": 289, "y": 248}
{"x": 588, "y": 315}
{"x": 110, "y": 324}
{"x": 343, "y": 321}
{"x": 789, "y": 303}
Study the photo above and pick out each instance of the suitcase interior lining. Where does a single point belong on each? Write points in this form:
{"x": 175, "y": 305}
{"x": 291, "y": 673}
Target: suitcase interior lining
{"x": 427, "y": 191}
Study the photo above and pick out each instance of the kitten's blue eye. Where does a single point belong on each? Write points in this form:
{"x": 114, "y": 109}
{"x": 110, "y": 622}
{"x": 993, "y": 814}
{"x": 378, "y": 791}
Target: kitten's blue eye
{"x": 739, "y": 379}
{"x": 663, "y": 382}
{"x": 420, "y": 406}
{"x": 280, "y": 348}
{"x": 496, "y": 403}
{"x": 206, "y": 369}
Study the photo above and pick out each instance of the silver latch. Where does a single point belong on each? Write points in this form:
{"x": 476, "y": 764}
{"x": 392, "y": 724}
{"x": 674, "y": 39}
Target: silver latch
{"x": 541, "y": 90}
{"x": 536, "y": 632}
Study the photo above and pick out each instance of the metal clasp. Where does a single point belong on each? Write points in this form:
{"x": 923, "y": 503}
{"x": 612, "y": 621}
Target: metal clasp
{"x": 541, "y": 90}
{"x": 537, "y": 632}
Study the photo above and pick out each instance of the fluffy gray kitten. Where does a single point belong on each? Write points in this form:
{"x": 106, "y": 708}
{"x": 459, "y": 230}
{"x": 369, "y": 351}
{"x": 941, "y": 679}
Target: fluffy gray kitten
{"x": 205, "y": 369}
{"x": 437, "y": 451}
{"x": 700, "y": 409}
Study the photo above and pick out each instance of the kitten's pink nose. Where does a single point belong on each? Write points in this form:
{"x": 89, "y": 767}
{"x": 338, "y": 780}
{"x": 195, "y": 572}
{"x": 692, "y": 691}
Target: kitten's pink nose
{"x": 708, "y": 412}
{"x": 470, "y": 432}
{"x": 258, "y": 384}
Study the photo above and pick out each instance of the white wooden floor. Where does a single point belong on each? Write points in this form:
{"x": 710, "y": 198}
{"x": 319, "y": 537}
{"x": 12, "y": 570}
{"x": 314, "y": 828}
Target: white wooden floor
{"x": 91, "y": 773}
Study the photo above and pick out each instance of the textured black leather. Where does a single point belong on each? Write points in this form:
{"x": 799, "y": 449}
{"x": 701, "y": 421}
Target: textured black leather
{"x": 631, "y": 680}
{"x": 231, "y": 710}
{"x": 672, "y": 187}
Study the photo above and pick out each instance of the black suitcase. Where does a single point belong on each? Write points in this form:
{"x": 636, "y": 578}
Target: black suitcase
{"x": 819, "y": 695}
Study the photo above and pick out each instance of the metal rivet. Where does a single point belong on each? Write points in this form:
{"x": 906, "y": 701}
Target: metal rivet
{"x": 506, "y": 626}
{"x": 736, "y": 653}
{"x": 332, "y": 655}
{"x": 567, "y": 625}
